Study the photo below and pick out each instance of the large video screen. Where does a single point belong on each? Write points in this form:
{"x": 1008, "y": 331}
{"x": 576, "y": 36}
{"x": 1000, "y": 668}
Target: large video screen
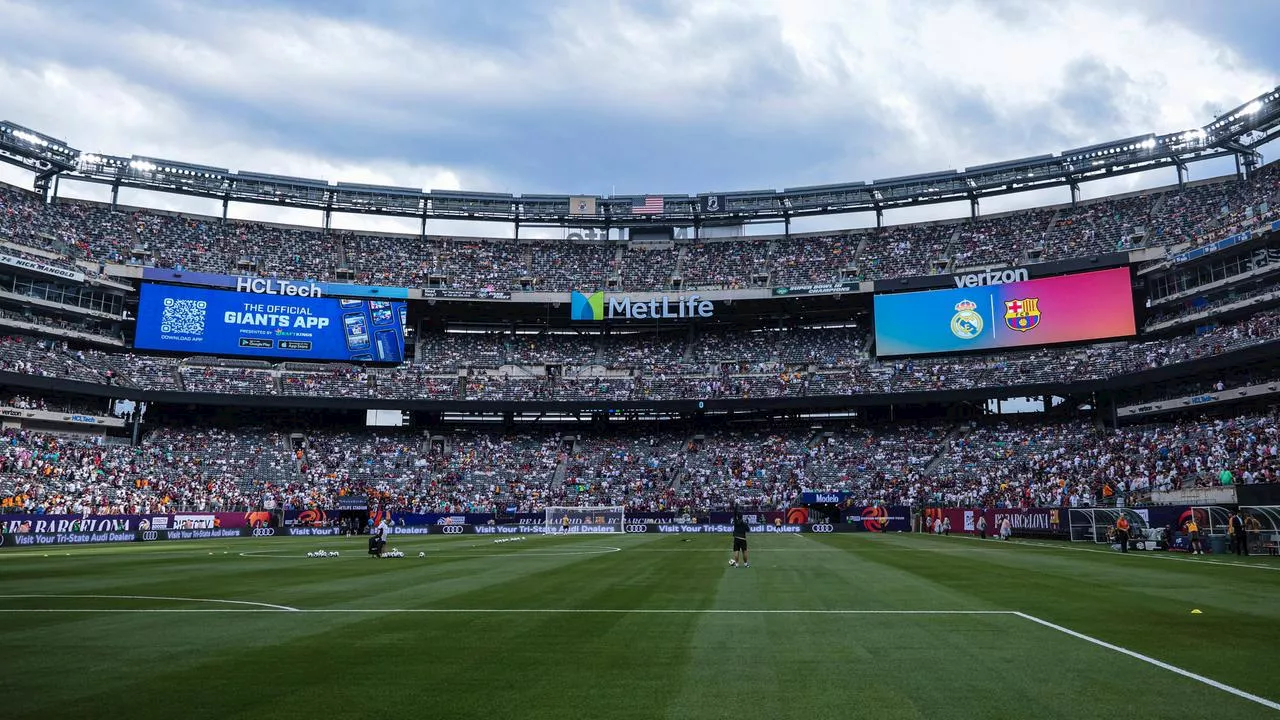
{"x": 222, "y": 322}
{"x": 1067, "y": 308}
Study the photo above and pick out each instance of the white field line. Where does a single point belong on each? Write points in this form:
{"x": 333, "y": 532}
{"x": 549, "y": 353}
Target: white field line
{"x": 267, "y": 606}
{"x": 548, "y": 552}
{"x": 1153, "y": 554}
{"x": 1152, "y": 661}
{"x": 257, "y": 607}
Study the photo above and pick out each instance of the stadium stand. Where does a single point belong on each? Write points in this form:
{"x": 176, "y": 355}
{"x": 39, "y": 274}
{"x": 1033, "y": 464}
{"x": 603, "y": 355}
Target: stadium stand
{"x": 1003, "y": 463}
{"x": 1060, "y": 462}
{"x": 1199, "y": 212}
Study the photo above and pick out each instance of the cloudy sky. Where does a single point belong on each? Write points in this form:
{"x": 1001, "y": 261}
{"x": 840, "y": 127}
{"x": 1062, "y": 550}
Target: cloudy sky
{"x": 601, "y": 96}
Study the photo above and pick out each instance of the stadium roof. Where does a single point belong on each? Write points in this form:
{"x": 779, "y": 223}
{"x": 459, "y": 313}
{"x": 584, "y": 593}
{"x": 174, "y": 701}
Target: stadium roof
{"x": 1237, "y": 132}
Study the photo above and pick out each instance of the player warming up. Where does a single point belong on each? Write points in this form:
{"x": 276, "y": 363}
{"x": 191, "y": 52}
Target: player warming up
{"x": 740, "y": 530}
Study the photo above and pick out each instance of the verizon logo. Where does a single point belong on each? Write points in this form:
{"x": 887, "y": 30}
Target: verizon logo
{"x": 992, "y": 277}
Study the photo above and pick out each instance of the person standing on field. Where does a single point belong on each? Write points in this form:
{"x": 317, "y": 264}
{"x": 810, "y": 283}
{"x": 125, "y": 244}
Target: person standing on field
{"x": 982, "y": 527}
{"x": 1251, "y": 529}
{"x": 1122, "y": 533}
{"x": 740, "y": 530}
{"x": 1193, "y": 536}
{"x": 1235, "y": 527}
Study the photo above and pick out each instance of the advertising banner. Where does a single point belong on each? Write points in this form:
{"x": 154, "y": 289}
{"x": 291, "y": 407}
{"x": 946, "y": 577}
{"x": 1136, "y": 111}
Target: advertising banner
{"x": 19, "y": 524}
{"x": 12, "y": 524}
{"x": 752, "y": 517}
{"x": 218, "y": 322}
{"x": 272, "y": 286}
{"x": 1026, "y": 522}
{"x": 824, "y": 289}
{"x": 32, "y": 539}
{"x": 1067, "y": 308}
{"x": 878, "y": 518}
{"x": 834, "y": 497}
{"x": 36, "y": 266}
{"x": 459, "y": 294}
{"x": 68, "y": 538}
{"x": 758, "y": 529}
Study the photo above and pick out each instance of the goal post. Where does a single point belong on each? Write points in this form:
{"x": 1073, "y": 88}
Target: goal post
{"x": 595, "y": 519}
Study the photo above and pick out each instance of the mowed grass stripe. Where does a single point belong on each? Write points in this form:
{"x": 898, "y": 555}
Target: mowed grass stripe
{"x": 686, "y": 660}
{"x": 468, "y": 666}
{"x": 1145, "y": 607}
{"x": 182, "y": 643}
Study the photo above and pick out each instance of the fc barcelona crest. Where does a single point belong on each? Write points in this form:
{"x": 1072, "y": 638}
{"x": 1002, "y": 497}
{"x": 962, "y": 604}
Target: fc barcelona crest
{"x": 1022, "y": 315}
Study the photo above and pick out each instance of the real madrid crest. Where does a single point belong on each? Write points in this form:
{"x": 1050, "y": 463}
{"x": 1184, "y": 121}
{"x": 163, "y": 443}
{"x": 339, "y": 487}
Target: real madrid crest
{"x": 966, "y": 324}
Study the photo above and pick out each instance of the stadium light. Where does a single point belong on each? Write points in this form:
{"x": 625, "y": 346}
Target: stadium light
{"x": 33, "y": 139}
{"x": 1253, "y": 107}
{"x": 142, "y": 165}
{"x": 1149, "y": 143}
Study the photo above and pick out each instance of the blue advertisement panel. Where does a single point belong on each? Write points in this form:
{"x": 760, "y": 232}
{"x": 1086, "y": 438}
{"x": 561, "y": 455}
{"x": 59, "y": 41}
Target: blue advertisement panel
{"x": 270, "y": 285}
{"x": 1067, "y": 308}
{"x": 218, "y": 322}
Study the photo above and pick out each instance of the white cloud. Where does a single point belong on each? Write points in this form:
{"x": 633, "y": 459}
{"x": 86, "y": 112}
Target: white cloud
{"x": 916, "y": 85}
{"x": 97, "y": 110}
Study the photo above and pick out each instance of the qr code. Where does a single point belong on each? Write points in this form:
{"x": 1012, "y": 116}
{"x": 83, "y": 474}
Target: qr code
{"x": 183, "y": 317}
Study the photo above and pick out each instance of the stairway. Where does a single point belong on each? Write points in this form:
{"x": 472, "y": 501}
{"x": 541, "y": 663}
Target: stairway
{"x": 955, "y": 434}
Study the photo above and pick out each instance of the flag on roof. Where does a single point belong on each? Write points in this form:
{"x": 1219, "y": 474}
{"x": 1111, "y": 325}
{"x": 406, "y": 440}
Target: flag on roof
{"x": 652, "y": 206}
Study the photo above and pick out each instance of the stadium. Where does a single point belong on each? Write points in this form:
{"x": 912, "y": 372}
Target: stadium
{"x": 939, "y": 437}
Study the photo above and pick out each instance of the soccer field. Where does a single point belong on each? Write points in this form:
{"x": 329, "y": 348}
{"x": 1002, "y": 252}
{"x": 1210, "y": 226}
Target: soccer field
{"x": 636, "y": 626}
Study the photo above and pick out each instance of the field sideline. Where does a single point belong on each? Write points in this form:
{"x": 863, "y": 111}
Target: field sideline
{"x": 636, "y": 626}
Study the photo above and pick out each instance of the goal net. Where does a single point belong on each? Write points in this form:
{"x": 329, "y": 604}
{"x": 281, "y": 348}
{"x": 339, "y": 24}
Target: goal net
{"x": 585, "y": 519}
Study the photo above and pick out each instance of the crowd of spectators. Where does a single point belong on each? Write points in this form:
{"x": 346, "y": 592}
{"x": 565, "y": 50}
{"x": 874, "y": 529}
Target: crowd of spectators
{"x": 74, "y": 230}
{"x": 808, "y": 260}
{"x": 671, "y": 366}
{"x": 188, "y": 469}
{"x": 724, "y": 264}
{"x": 1001, "y": 463}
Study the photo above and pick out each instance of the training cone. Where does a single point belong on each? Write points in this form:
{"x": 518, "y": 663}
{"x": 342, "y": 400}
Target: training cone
{"x": 1196, "y": 612}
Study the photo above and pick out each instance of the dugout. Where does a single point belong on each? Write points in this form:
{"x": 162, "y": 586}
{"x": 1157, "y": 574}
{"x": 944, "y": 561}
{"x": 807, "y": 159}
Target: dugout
{"x": 1093, "y": 524}
{"x": 1266, "y": 539}
{"x": 1213, "y": 521}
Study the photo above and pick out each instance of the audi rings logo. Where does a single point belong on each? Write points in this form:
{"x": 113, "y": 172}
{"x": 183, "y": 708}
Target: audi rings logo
{"x": 451, "y": 529}
{"x": 822, "y": 528}
{"x": 150, "y": 535}
{"x": 264, "y": 532}
{"x": 636, "y": 528}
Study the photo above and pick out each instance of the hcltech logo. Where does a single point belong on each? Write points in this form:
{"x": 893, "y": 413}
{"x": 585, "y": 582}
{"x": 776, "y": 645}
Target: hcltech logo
{"x": 586, "y": 307}
{"x": 594, "y": 307}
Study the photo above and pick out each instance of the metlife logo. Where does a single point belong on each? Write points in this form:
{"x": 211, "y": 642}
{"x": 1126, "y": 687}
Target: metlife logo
{"x": 598, "y": 307}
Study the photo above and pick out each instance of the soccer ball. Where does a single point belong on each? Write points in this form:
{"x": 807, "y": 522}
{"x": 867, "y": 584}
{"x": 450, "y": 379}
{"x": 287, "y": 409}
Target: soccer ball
{"x": 732, "y": 562}
{"x": 422, "y": 554}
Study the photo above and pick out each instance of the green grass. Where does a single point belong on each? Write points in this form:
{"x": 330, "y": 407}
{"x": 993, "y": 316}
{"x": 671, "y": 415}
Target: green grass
{"x": 695, "y": 658}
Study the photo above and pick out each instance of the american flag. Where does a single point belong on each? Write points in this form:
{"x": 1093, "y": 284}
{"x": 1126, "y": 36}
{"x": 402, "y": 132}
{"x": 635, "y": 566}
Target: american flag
{"x": 651, "y": 206}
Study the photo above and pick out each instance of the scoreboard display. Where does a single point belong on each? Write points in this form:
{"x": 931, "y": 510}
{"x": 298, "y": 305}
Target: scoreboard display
{"x": 1068, "y": 308}
{"x": 221, "y": 322}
